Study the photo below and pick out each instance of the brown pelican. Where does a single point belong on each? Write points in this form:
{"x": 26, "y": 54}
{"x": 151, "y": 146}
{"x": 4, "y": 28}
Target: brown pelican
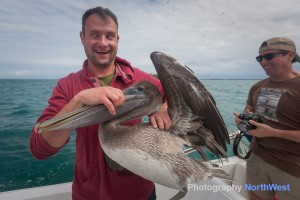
{"x": 159, "y": 156}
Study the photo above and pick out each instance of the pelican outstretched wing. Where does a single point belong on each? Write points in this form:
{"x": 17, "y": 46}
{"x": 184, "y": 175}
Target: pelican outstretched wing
{"x": 191, "y": 107}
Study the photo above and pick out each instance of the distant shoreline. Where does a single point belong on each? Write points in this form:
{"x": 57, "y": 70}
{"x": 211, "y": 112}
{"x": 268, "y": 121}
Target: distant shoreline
{"x": 201, "y": 79}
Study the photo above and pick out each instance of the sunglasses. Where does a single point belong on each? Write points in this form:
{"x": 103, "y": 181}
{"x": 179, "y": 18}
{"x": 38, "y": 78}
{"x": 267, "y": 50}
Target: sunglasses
{"x": 269, "y": 56}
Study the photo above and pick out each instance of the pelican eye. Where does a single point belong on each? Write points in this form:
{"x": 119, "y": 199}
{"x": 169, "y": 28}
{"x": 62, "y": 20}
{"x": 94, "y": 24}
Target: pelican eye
{"x": 140, "y": 88}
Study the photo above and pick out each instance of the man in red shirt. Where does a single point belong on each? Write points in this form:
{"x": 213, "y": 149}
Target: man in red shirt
{"x": 101, "y": 81}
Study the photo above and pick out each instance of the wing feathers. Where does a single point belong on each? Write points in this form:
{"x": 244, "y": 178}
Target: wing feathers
{"x": 190, "y": 105}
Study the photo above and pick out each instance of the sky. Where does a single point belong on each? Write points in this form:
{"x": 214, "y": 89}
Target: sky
{"x": 217, "y": 39}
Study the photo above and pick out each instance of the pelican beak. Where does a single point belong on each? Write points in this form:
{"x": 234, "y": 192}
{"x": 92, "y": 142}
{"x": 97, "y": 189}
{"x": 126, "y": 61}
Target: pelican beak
{"x": 88, "y": 115}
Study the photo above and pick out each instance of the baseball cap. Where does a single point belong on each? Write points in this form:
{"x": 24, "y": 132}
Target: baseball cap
{"x": 280, "y": 43}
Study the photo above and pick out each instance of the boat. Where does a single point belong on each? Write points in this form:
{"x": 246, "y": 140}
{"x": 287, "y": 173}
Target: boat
{"x": 211, "y": 189}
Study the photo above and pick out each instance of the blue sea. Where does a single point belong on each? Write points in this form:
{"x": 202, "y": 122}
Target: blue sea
{"x": 22, "y": 101}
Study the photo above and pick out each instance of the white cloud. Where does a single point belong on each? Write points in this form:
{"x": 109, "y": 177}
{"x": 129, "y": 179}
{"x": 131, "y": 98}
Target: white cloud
{"x": 217, "y": 38}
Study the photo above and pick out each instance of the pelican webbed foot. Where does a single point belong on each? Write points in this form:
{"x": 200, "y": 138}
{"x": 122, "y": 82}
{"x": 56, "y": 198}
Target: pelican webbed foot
{"x": 113, "y": 164}
{"x": 180, "y": 194}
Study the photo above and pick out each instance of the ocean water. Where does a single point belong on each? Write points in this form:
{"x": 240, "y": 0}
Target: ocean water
{"x": 22, "y": 101}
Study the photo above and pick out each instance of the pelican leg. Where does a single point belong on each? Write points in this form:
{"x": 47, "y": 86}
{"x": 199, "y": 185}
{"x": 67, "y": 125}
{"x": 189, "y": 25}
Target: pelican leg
{"x": 180, "y": 194}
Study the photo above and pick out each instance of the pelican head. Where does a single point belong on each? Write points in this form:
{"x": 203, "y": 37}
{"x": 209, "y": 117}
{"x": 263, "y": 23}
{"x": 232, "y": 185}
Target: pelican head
{"x": 141, "y": 99}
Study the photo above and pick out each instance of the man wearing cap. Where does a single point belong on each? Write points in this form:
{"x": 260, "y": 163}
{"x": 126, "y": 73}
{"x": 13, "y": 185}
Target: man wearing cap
{"x": 275, "y": 157}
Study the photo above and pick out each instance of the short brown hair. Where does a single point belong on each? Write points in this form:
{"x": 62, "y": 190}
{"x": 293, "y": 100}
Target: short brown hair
{"x": 104, "y": 13}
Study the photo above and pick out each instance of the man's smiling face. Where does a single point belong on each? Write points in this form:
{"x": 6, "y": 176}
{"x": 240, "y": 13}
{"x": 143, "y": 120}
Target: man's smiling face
{"x": 100, "y": 41}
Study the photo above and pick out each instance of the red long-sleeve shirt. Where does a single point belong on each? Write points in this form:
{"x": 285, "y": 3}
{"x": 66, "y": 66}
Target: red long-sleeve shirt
{"x": 93, "y": 179}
